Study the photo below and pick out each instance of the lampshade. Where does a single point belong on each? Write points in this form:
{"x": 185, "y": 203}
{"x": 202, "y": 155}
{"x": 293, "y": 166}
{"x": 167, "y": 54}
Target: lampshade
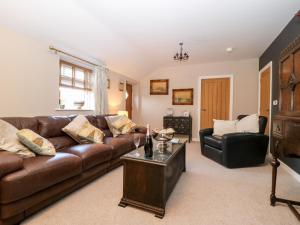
{"x": 123, "y": 112}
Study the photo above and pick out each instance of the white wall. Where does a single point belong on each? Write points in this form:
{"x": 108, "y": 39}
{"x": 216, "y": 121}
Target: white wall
{"x": 29, "y": 78}
{"x": 245, "y": 92}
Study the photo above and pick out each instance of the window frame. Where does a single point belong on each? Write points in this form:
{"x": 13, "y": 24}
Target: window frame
{"x": 87, "y": 76}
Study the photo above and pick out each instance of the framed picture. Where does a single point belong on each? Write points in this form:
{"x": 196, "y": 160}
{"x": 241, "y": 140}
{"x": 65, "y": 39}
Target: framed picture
{"x": 108, "y": 83}
{"x": 182, "y": 96}
{"x": 159, "y": 87}
{"x": 121, "y": 86}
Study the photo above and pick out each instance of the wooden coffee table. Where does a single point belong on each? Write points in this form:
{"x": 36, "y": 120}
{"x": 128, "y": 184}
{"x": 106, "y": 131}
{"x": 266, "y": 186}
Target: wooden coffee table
{"x": 147, "y": 183}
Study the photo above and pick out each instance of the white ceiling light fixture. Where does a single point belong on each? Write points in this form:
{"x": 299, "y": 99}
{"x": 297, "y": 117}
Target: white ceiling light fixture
{"x": 181, "y": 56}
{"x": 229, "y": 49}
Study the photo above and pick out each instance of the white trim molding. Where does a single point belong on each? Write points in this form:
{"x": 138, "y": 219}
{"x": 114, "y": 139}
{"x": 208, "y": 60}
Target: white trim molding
{"x": 269, "y": 65}
{"x": 231, "y": 77}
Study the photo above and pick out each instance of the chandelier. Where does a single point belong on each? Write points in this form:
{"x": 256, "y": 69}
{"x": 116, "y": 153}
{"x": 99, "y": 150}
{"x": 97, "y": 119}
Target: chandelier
{"x": 181, "y": 56}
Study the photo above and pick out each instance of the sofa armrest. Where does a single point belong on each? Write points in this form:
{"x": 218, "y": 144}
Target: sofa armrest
{"x": 9, "y": 163}
{"x": 141, "y": 129}
{"x": 244, "y": 149}
{"x": 202, "y": 134}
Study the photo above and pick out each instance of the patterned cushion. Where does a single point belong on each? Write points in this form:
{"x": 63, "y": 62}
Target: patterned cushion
{"x": 91, "y": 133}
{"x": 74, "y": 127}
{"x": 9, "y": 140}
{"x": 35, "y": 142}
{"x": 122, "y": 124}
{"x": 129, "y": 127}
{"x": 110, "y": 120}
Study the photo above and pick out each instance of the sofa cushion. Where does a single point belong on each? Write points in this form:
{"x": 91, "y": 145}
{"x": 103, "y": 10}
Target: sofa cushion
{"x": 23, "y": 122}
{"x": 37, "y": 174}
{"x": 91, "y": 154}
{"x": 51, "y": 126}
{"x": 62, "y": 142}
{"x": 213, "y": 141}
{"x": 101, "y": 123}
{"x": 92, "y": 120}
{"x": 120, "y": 146}
{"x": 9, "y": 163}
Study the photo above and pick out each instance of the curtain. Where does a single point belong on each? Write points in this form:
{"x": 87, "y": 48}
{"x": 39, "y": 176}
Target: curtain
{"x": 100, "y": 90}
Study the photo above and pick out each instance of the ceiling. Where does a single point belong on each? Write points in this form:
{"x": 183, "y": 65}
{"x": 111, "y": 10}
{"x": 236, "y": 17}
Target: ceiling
{"x": 134, "y": 37}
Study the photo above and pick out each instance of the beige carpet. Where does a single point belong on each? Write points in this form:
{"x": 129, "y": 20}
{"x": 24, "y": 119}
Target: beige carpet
{"x": 207, "y": 194}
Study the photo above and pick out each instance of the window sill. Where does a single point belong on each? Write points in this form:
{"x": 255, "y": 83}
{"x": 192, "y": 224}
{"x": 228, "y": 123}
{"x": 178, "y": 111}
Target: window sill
{"x": 87, "y": 110}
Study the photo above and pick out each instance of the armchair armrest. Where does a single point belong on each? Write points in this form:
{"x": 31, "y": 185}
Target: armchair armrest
{"x": 244, "y": 149}
{"x": 9, "y": 163}
{"x": 141, "y": 129}
{"x": 202, "y": 134}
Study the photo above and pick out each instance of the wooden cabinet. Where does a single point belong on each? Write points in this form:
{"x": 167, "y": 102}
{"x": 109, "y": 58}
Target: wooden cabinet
{"x": 286, "y": 124}
{"x": 289, "y": 80}
{"x": 181, "y": 124}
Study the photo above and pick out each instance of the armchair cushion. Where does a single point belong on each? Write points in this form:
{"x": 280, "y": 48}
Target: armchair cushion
{"x": 213, "y": 141}
{"x": 202, "y": 134}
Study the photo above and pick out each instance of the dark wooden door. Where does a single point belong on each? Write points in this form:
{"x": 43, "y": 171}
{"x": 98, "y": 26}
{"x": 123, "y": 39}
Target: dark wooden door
{"x": 129, "y": 100}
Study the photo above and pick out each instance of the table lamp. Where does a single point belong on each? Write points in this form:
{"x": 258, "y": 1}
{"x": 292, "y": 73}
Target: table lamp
{"x": 123, "y": 112}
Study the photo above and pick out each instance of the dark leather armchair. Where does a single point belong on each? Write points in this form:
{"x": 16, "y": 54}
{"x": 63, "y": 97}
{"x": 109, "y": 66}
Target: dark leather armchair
{"x": 236, "y": 149}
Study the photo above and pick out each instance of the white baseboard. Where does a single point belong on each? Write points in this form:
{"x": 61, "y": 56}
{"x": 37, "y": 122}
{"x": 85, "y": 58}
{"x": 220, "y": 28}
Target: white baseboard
{"x": 289, "y": 170}
{"x": 195, "y": 139}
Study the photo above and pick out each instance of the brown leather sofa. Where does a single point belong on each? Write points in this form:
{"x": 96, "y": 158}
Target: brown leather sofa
{"x": 28, "y": 185}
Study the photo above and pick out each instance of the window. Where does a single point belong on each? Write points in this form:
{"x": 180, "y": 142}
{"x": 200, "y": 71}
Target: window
{"x": 75, "y": 87}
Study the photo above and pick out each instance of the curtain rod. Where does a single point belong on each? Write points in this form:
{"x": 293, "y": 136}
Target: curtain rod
{"x": 73, "y": 56}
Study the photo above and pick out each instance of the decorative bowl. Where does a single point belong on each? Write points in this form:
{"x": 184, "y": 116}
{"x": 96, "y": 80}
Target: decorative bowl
{"x": 162, "y": 137}
{"x": 79, "y": 104}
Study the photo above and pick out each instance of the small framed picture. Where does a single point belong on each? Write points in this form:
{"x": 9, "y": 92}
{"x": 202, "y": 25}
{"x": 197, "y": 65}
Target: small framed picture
{"x": 121, "y": 86}
{"x": 108, "y": 83}
{"x": 159, "y": 87}
{"x": 182, "y": 96}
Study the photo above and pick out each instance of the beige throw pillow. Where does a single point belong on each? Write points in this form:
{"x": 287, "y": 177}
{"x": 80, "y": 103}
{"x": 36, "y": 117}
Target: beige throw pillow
{"x": 129, "y": 127}
{"x": 120, "y": 124}
{"x": 35, "y": 142}
{"x": 9, "y": 140}
{"x": 91, "y": 133}
{"x": 110, "y": 120}
{"x": 74, "y": 127}
{"x": 248, "y": 124}
{"x": 222, "y": 127}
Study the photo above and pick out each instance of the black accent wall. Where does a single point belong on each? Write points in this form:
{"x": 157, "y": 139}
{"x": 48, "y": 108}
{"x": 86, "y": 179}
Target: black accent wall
{"x": 289, "y": 33}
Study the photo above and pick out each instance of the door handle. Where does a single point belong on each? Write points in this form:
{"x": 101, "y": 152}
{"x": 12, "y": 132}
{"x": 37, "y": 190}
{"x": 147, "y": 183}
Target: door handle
{"x": 203, "y": 109}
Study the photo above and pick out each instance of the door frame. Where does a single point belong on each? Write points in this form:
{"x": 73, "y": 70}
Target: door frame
{"x": 269, "y": 65}
{"x": 200, "y": 78}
